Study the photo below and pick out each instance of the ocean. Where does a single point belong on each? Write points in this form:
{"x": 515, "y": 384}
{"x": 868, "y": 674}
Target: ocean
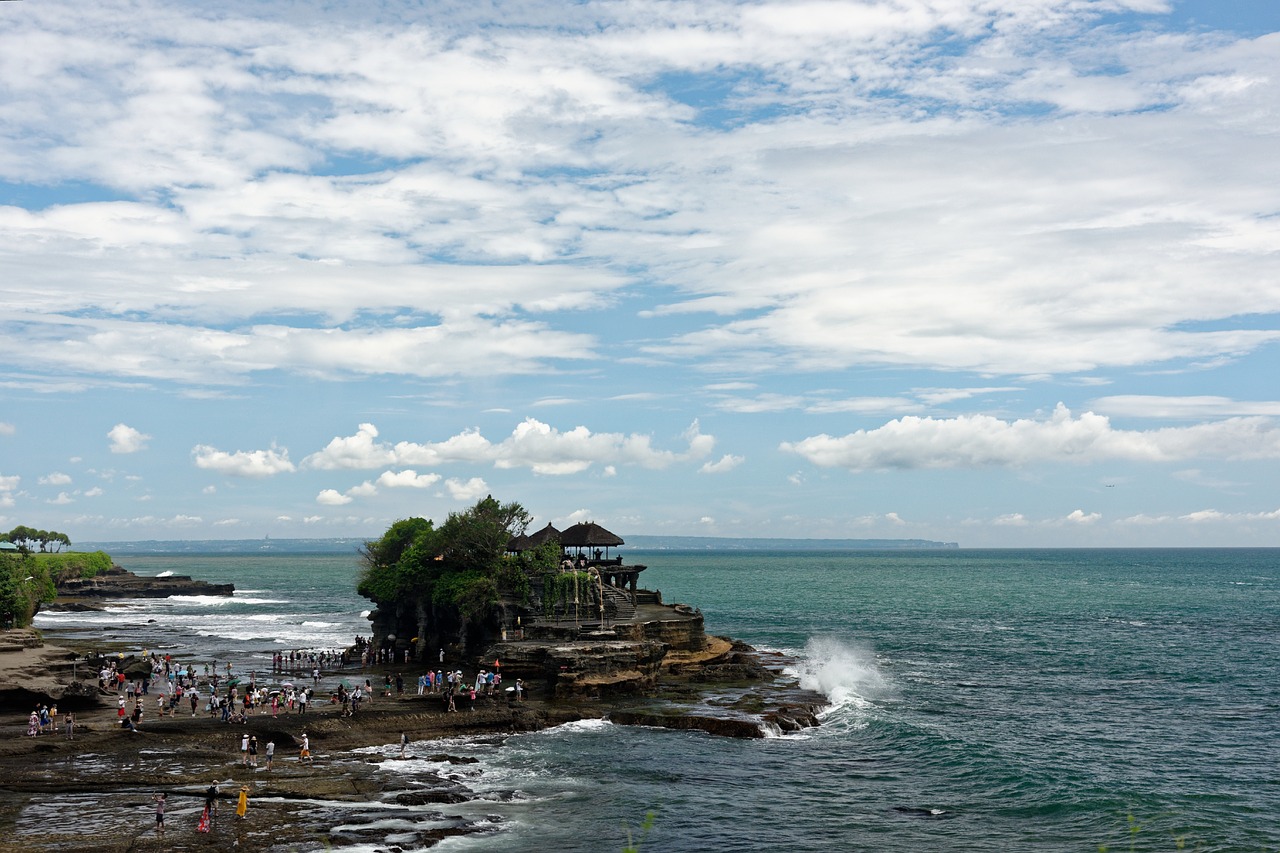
{"x": 1038, "y": 700}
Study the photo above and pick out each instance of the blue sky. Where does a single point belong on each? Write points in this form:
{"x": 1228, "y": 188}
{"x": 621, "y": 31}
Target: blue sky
{"x": 1001, "y": 272}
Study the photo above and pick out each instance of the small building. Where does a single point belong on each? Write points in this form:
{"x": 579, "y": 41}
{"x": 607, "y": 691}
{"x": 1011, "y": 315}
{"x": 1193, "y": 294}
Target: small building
{"x": 591, "y": 542}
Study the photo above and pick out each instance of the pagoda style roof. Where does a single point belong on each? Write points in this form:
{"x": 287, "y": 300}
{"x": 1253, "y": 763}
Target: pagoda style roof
{"x": 589, "y": 535}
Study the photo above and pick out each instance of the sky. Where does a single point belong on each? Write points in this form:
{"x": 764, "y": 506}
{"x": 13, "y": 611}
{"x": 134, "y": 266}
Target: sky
{"x": 998, "y": 272}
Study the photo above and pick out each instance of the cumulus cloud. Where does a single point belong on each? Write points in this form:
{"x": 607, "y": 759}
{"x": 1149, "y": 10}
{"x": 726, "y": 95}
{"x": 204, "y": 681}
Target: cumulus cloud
{"x": 126, "y": 439}
{"x": 7, "y": 428}
{"x": 1079, "y": 516}
{"x": 577, "y": 517}
{"x": 332, "y": 497}
{"x": 243, "y": 463}
{"x": 363, "y": 490}
{"x": 468, "y": 490}
{"x": 94, "y": 492}
{"x": 57, "y": 478}
{"x": 980, "y": 441}
{"x": 1212, "y": 515}
{"x": 533, "y": 444}
{"x": 407, "y": 479}
{"x": 725, "y": 464}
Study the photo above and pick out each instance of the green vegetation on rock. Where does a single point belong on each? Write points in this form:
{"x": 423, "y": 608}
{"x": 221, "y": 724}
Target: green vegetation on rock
{"x": 25, "y": 584}
{"x": 442, "y": 582}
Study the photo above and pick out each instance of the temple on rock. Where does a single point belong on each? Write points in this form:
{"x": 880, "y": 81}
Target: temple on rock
{"x": 563, "y": 606}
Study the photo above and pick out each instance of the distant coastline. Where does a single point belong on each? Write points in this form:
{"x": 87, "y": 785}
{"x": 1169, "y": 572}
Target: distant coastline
{"x": 635, "y": 543}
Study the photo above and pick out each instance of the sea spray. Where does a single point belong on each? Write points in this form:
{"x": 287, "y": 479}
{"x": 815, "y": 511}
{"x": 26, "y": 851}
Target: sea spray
{"x": 845, "y": 674}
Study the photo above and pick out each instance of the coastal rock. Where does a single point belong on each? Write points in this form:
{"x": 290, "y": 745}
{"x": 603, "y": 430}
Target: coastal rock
{"x": 118, "y": 582}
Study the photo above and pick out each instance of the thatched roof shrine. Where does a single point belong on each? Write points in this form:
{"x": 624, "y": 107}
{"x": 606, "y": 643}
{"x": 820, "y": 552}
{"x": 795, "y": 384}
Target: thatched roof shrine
{"x": 589, "y": 535}
{"x": 527, "y": 542}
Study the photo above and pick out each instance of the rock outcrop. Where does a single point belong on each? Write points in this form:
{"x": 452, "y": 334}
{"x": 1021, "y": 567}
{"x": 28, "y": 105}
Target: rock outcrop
{"x": 116, "y": 582}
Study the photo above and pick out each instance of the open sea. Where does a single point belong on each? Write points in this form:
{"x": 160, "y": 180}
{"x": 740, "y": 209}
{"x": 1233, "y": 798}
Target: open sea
{"x": 1002, "y": 700}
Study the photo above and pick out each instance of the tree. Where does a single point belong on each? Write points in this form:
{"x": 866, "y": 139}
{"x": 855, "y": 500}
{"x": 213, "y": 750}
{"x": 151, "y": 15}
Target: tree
{"x": 28, "y": 538}
{"x": 447, "y": 580}
{"x": 24, "y": 585}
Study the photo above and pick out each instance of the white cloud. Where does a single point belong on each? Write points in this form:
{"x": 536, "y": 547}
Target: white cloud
{"x": 226, "y": 522}
{"x": 725, "y": 464}
{"x": 209, "y": 490}
{"x": 363, "y": 490}
{"x": 408, "y": 478}
{"x": 57, "y": 478}
{"x": 1079, "y": 516}
{"x": 126, "y": 439}
{"x": 1213, "y": 515}
{"x": 332, "y": 497}
{"x": 1203, "y": 406}
{"x": 7, "y": 428}
{"x": 979, "y": 441}
{"x": 353, "y": 451}
{"x": 62, "y": 499}
{"x": 94, "y": 492}
{"x": 8, "y": 484}
{"x": 577, "y": 517}
{"x": 468, "y": 490}
{"x": 532, "y": 444}
{"x": 1013, "y": 519}
{"x": 242, "y": 463}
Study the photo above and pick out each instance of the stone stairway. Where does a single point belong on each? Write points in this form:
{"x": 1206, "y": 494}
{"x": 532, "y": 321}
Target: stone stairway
{"x": 617, "y": 604}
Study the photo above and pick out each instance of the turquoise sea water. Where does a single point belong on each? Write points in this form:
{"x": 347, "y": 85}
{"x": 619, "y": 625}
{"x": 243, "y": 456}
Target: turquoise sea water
{"x": 981, "y": 700}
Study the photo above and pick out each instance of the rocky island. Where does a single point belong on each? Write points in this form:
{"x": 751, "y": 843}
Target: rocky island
{"x": 117, "y": 582}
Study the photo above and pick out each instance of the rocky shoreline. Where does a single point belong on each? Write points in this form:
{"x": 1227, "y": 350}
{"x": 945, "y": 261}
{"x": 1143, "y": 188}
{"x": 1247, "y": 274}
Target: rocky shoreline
{"x": 98, "y": 787}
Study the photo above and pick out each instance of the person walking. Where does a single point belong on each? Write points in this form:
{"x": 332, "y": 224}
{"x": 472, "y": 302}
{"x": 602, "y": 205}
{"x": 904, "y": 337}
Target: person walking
{"x": 304, "y": 754}
{"x": 404, "y": 742}
{"x": 271, "y": 752}
{"x": 244, "y": 750}
{"x": 242, "y": 804}
{"x": 253, "y": 750}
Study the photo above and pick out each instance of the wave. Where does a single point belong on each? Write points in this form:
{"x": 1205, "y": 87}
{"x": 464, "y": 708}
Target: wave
{"x": 845, "y": 674}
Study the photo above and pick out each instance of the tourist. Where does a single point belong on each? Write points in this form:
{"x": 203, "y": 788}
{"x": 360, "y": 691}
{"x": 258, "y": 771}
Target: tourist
{"x": 519, "y": 690}
{"x": 302, "y": 701}
{"x": 70, "y": 721}
{"x": 304, "y": 754}
{"x": 33, "y": 724}
{"x": 253, "y": 750}
{"x": 195, "y": 700}
{"x": 271, "y": 753}
{"x": 242, "y": 804}
{"x": 210, "y": 809}
{"x": 404, "y": 742}
{"x": 159, "y": 800}
{"x": 244, "y": 750}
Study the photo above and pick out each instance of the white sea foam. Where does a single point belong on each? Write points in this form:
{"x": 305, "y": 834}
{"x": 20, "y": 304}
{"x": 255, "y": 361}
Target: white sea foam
{"x": 218, "y": 600}
{"x": 165, "y": 575}
{"x": 844, "y": 674}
